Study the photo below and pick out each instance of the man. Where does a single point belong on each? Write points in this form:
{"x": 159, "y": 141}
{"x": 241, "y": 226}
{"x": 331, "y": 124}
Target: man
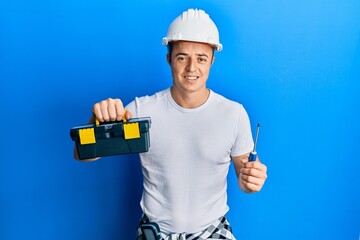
{"x": 186, "y": 168}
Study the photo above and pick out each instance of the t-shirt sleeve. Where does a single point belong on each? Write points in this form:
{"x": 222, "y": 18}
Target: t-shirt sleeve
{"x": 243, "y": 142}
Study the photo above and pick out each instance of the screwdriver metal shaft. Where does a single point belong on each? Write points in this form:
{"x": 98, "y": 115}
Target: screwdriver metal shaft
{"x": 253, "y": 154}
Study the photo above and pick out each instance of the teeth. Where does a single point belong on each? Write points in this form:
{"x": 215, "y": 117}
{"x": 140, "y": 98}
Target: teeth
{"x": 191, "y": 78}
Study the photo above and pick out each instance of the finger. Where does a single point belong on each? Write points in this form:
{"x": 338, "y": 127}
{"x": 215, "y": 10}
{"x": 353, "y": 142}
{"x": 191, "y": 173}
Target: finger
{"x": 115, "y": 109}
{"x": 97, "y": 112}
{"x": 252, "y": 187}
{"x": 111, "y": 112}
{"x": 104, "y": 110}
{"x": 128, "y": 114}
{"x": 254, "y": 172}
{"x": 119, "y": 109}
{"x": 251, "y": 183}
{"x": 252, "y": 180}
{"x": 258, "y": 172}
{"x": 257, "y": 165}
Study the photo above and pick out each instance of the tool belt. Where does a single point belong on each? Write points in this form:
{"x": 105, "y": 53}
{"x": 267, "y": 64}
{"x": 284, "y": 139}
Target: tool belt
{"x": 219, "y": 229}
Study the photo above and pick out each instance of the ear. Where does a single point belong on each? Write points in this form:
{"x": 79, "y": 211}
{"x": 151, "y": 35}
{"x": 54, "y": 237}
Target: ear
{"x": 212, "y": 60}
{"x": 168, "y": 59}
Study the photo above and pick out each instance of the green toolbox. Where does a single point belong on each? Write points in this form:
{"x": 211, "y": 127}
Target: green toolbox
{"x": 114, "y": 138}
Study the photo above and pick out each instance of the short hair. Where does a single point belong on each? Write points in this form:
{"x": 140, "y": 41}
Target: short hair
{"x": 170, "y": 47}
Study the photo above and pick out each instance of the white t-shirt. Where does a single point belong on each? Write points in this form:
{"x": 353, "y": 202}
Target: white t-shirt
{"x": 185, "y": 170}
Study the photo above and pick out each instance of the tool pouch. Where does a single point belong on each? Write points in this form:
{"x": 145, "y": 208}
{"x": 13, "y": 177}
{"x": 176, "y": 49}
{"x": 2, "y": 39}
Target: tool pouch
{"x": 150, "y": 231}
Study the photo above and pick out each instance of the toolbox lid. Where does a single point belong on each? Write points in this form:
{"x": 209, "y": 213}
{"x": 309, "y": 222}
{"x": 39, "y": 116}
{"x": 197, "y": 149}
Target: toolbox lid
{"x": 112, "y": 129}
{"x": 112, "y": 138}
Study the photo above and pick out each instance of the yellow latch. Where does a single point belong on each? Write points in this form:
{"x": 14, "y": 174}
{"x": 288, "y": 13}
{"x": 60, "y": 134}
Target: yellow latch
{"x": 131, "y": 130}
{"x": 87, "y": 136}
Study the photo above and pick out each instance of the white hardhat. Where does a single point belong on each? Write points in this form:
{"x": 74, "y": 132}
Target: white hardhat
{"x": 195, "y": 26}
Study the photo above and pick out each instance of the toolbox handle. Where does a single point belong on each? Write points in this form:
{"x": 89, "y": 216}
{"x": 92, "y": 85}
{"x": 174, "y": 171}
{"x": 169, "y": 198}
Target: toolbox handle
{"x": 97, "y": 122}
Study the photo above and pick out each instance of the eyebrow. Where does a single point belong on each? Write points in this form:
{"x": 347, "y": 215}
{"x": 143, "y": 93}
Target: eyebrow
{"x": 199, "y": 54}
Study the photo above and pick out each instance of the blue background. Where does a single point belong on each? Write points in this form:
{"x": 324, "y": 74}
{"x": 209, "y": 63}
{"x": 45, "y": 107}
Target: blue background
{"x": 295, "y": 65}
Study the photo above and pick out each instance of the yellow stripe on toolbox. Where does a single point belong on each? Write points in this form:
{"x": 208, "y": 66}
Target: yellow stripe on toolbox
{"x": 87, "y": 136}
{"x": 131, "y": 130}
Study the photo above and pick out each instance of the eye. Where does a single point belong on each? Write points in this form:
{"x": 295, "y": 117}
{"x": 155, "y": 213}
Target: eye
{"x": 181, "y": 59}
{"x": 202, "y": 60}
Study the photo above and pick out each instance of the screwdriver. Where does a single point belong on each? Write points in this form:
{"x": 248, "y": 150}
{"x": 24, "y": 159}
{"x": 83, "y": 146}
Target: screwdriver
{"x": 253, "y": 154}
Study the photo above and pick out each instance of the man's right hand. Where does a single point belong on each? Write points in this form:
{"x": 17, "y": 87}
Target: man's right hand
{"x": 106, "y": 111}
{"x": 110, "y": 110}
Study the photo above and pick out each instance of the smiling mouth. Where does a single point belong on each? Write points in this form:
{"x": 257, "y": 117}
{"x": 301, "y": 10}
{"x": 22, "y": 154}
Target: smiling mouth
{"x": 191, "y": 78}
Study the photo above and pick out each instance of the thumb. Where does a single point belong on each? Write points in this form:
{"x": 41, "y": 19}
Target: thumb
{"x": 244, "y": 160}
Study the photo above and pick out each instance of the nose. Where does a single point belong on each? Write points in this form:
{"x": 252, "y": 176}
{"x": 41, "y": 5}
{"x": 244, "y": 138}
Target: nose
{"x": 191, "y": 65}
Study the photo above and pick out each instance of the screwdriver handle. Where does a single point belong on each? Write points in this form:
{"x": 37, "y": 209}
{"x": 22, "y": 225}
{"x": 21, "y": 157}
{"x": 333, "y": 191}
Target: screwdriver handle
{"x": 252, "y": 156}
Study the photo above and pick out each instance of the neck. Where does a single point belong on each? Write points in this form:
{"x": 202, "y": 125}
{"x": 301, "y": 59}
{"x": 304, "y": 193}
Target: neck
{"x": 190, "y": 100}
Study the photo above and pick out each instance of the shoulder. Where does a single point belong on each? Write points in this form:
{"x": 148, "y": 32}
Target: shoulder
{"x": 226, "y": 104}
{"x": 152, "y": 98}
{"x": 147, "y": 103}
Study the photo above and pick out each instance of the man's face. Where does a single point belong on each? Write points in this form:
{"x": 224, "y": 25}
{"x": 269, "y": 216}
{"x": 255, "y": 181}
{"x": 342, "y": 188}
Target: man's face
{"x": 190, "y": 65}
